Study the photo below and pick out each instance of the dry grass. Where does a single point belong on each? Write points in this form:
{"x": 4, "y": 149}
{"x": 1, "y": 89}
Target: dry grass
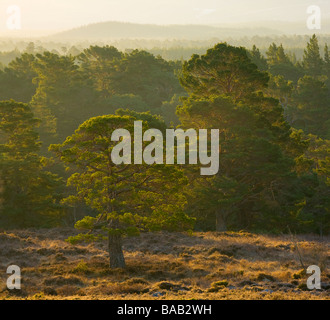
{"x": 163, "y": 266}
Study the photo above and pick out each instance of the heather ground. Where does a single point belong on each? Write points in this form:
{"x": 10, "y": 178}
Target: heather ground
{"x": 164, "y": 266}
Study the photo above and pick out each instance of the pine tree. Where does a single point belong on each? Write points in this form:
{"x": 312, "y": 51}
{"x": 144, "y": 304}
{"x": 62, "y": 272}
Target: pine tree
{"x": 258, "y": 59}
{"x": 127, "y": 197}
{"x": 224, "y": 69}
{"x": 16, "y": 81}
{"x": 99, "y": 65}
{"x": 29, "y": 192}
{"x": 257, "y": 155}
{"x": 272, "y": 54}
{"x": 63, "y": 99}
{"x": 312, "y": 110}
{"x": 312, "y": 60}
{"x": 279, "y": 63}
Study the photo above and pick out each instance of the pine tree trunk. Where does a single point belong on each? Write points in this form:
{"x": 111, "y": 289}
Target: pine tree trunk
{"x": 116, "y": 254}
{"x": 220, "y": 222}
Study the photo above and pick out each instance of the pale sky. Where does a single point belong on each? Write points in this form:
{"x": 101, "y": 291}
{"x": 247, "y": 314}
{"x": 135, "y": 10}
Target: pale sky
{"x": 45, "y": 15}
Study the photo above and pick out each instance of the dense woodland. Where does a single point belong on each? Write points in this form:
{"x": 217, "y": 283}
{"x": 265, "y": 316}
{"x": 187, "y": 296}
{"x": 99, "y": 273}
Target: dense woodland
{"x": 58, "y": 110}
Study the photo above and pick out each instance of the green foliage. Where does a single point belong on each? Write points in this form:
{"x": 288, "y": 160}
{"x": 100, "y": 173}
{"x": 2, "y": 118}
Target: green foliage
{"x": 315, "y": 212}
{"x": 71, "y": 89}
{"x": 61, "y": 96}
{"x": 304, "y": 94}
{"x": 29, "y": 193}
{"x": 85, "y": 224}
{"x": 128, "y": 198}
{"x": 152, "y": 78}
{"x": 312, "y": 61}
{"x": 99, "y": 65}
{"x": 258, "y": 59}
{"x": 81, "y": 268}
{"x": 279, "y": 63}
{"x": 272, "y": 112}
{"x": 168, "y": 111}
{"x": 224, "y": 69}
{"x": 84, "y": 238}
{"x": 256, "y": 163}
{"x": 126, "y": 101}
{"x": 16, "y": 80}
{"x": 154, "y": 121}
{"x": 311, "y": 113}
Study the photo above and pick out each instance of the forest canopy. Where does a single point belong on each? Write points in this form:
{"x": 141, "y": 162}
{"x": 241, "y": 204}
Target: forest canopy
{"x": 270, "y": 105}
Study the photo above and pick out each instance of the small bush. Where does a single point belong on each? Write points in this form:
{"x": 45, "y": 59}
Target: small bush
{"x": 81, "y": 268}
{"x": 218, "y": 285}
{"x": 299, "y": 275}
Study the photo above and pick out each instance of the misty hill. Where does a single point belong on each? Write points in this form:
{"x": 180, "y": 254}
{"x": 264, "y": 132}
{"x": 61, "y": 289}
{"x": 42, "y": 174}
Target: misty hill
{"x": 120, "y": 30}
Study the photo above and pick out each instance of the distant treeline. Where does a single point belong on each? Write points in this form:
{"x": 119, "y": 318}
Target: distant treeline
{"x": 169, "y": 49}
